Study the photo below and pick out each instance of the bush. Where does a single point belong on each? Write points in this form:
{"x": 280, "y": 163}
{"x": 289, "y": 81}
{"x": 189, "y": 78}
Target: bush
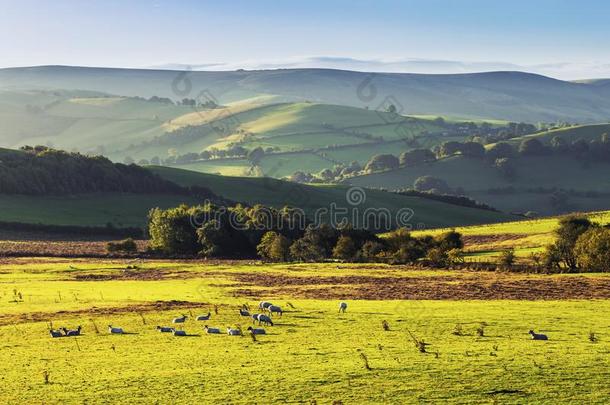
{"x": 507, "y": 258}
{"x": 532, "y": 147}
{"x": 345, "y": 249}
{"x": 592, "y": 250}
{"x": 382, "y": 162}
{"x": 416, "y": 157}
{"x": 432, "y": 184}
{"x": 124, "y": 246}
{"x": 569, "y": 230}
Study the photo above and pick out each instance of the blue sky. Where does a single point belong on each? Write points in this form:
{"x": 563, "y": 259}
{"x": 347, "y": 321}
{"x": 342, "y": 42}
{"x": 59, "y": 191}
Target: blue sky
{"x": 567, "y": 39}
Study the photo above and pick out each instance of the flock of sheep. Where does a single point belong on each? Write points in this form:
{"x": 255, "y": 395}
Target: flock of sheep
{"x": 267, "y": 308}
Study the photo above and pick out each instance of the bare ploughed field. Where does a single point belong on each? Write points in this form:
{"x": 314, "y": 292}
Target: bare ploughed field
{"x": 463, "y": 285}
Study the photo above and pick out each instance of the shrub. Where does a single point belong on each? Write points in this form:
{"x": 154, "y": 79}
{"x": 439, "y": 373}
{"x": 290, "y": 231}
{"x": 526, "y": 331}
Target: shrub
{"x": 125, "y": 246}
{"x": 432, "y": 184}
{"x": 507, "y": 258}
{"x": 345, "y": 249}
{"x": 592, "y": 250}
{"x": 569, "y": 230}
{"x": 416, "y": 157}
{"x": 382, "y": 162}
{"x": 532, "y": 147}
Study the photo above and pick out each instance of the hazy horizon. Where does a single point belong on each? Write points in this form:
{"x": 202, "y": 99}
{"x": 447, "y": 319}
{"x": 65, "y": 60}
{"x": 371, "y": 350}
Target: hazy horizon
{"x": 554, "y": 38}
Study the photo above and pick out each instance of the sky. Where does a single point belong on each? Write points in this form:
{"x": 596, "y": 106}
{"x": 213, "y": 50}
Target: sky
{"x": 559, "y": 38}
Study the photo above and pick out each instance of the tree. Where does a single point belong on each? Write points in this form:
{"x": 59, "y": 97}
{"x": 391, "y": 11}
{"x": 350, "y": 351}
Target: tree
{"x": 449, "y": 240}
{"x": 171, "y": 231}
{"x": 500, "y": 150}
{"x": 255, "y": 155}
{"x": 274, "y": 247}
{"x": 567, "y": 234}
{"x": 432, "y": 185}
{"x": 532, "y": 147}
{"x": 592, "y": 250}
{"x": 449, "y": 148}
{"x": 416, "y": 157}
{"x": 382, "y": 162}
{"x": 345, "y": 249}
{"x": 473, "y": 149}
{"x": 505, "y": 167}
{"x": 559, "y": 145}
{"x": 371, "y": 250}
{"x": 507, "y": 258}
{"x": 326, "y": 175}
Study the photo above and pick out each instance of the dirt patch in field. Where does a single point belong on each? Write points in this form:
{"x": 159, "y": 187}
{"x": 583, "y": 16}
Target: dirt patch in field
{"x": 476, "y": 240}
{"x": 136, "y": 274}
{"x": 462, "y": 286}
{"x": 64, "y": 248}
{"x": 7, "y": 319}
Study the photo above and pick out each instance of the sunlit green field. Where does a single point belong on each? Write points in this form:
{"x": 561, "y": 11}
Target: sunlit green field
{"x": 525, "y": 237}
{"x": 313, "y": 353}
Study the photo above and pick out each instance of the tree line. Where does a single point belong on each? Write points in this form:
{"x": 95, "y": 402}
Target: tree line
{"x": 41, "y": 170}
{"x": 281, "y": 235}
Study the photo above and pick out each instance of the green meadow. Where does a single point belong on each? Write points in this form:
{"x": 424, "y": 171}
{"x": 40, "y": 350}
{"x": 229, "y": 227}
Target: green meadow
{"x": 312, "y": 354}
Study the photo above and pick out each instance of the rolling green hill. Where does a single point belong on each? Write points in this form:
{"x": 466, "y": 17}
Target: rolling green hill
{"x": 512, "y": 96}
{"x": 72, "y": 189}
{"x": 531, "y": 188}
{"x": 570, "y": 134}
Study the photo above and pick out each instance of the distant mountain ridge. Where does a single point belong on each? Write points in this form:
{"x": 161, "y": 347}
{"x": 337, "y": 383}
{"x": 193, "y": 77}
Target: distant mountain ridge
{"x": 514, "y": 96}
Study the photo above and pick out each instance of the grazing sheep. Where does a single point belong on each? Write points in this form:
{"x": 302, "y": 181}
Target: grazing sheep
{"x": 343, "y": 307}
{"x": 179, "y": 333}
{"x": 55, "y": 333}
{"x": 274, "y": 309}
{"x": 73, "y": 332}
{"x": 264, "y": 305}
{"x": 257, "y": 331}
{"x": 204, "y": 317}
{"x": 255, "y": 317}
{"x": 233, "y": 332}
{"x": 264, "y": 319}
{"x": 115, "y": 331}
{"x": 244, "y": 312}
{"x": 165, "y": 329}
{"x": 211, "y": 330}
{"x": 180, "y": 320}
{"x": 538, "y": 336}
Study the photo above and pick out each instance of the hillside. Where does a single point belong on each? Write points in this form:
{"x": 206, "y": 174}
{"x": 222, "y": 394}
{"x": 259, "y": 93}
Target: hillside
{"x": 570, "y": 134}
{"x": 526, "y": 236}
{"x": 276, "y": 193}
{"x": 531, "y": 188}
{"x": 72, "y": 189}
{"x": 511, "y": 96}
{"x": 296, "y": 136}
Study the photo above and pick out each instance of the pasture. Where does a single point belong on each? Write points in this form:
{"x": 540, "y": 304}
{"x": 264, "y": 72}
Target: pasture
{"x": 476, "y": 326}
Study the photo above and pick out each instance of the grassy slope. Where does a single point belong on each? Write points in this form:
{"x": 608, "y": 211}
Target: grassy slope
{"x": 122, "y": 210}
{"x": 525, "y": 236}
{"x": 586, "y": 132}
{"x": 309, "y": 198}
{"x": 147, "y": 366}
{"x": 513, "y": 96}
{"x": 477, "y": 176}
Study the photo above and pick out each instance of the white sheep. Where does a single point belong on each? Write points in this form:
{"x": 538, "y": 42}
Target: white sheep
{"x": 165, "y": 329}
{"x": 74, "y": 332}
{"x": 274, "y": 309}
{"x": 179, "y": 333}
{"x": 264, "y": 305}
{"x": 343, "y": 307}
{"x": 115, "y": 331}
{"x": 264, "y": 319}
{"x": 204, "y": 317}
{"x": 538, "y": 336}
{"x": 55, "y": 333}
{"x": 257, "y": 331}
{"x": 179, "y": 320}
{"x": 211, "y": 330}
{"x": 233, "y": 332}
